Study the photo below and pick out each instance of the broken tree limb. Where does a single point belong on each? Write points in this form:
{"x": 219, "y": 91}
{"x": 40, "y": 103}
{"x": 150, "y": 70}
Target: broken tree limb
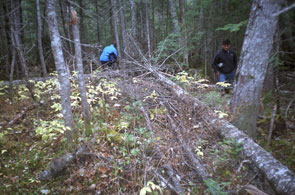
{"x": 166, "y": 182}
{"x": 177, "y": 188}
{"x": 195, "y": 163}
{"x": 272, "y": 121}
{"x": 174, "y": 178}
{"x": 22, "y": 113}
{"x": 59, "y": 165}
{"x": 279, "y": 176}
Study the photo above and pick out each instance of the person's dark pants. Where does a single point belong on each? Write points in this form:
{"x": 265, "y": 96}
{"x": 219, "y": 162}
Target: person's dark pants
{"x": 105, "y": 65}
{"x": 229, "y": 77}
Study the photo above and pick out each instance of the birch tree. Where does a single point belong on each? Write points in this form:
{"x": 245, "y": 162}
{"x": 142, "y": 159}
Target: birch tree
{"x": 79, "y": 66}
{"x": 63, "y": 75}
{"x": 253, "y": 63}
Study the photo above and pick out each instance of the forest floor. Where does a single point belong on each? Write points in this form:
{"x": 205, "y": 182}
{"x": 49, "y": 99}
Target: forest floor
{"x": 144, "y": 140}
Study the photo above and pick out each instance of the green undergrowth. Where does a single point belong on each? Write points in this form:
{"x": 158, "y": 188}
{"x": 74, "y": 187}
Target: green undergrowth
{"x": 29, "y": 145}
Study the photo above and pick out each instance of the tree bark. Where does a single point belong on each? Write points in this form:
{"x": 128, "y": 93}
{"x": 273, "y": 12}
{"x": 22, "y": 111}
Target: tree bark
{"x": 16, "y": 33}
{"x": 184, "y": 38}
{"x": 133, "y": 19}
{"x": 17, "y": 43}
{"x": 115, "y": 16}
{"x": 83, "y": 24}
{"x": 123, "y": 27}
{"x": 65, "y": 13}
{"x": 97, "y": 21}
{"x": 63, "y": 75}
{"x": 176, "y": 26}
{"x": 4, "y": 45}
{"x": 79, "y": 67}
{"x": 253, "y": 64}
{"x": 39, "y": 38}
{"x": 147, "y": 18}
{"x": 111, "y": 20}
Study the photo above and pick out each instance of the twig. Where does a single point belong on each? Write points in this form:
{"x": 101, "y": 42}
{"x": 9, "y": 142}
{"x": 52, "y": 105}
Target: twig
{"x": 284, "y": 10}
{"x": 287, "y": 110}
{"x": 272, "y": 124}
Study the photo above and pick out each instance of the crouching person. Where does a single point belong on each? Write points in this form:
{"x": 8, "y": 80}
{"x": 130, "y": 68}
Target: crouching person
{"x": 108, "y": 56}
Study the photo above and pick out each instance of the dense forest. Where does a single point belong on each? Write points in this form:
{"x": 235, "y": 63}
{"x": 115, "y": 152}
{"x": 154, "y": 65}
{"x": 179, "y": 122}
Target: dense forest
{"x": 158, "y": 119}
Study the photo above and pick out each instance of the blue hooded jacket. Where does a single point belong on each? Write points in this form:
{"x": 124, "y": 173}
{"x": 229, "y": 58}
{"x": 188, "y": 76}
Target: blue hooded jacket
{"x": 104, "y": 57}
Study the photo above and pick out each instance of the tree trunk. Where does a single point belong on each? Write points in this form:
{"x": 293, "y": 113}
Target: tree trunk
{"x": 4, "y": 45}
{"x": 123, "y": 29}
{"x": 17, "y": 43}
{"x": 39, "y": 38}
{"x": 115, "y": 16}
{"x": 97, "y": 21}
{"x": 176, "y": 26}
{"x": 153, "y": 37}
{"x": 16, "y": 33}
{"x": 133, "y": 19}
{"x": 141, "y": 21}
{"x": 83, "y": 24}
{"x": 64, "y": 12}
{"x": 79, "y": 66}
{"x": 12, "y": 71}
{"x": 147, "y": 28}
{"x": 184, "y": 38}
{"x": 111, "y": 20}
{"x": 63, "y": 75}
{"x": 253, "y": 64}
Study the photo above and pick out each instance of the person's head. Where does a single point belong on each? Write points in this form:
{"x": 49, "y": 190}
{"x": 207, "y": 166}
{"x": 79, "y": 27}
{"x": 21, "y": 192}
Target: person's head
{"x": 115, "y": 44}
{"x": 226, "y": 45}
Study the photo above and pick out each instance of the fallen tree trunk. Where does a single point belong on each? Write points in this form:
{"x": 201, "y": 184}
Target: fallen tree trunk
{"x": 59, "y": 165}
{"x": 279, "y": 176}
{"x": 176, "y": 187}
{"x": 197, "y": 166}
{"x": 21, "y": 114}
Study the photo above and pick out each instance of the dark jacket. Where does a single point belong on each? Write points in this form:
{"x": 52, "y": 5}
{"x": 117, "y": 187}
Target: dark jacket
{"x": 229, "y": 60}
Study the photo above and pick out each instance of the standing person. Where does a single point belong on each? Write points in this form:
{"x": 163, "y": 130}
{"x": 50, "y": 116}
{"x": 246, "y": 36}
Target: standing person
{"x": 225, "y": 63}
{"x": 108, "y": 56}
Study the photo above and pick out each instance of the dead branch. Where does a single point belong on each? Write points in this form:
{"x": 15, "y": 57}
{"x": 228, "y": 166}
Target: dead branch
{"x": 174, "y": 178}
{"x": 196, "y": 164}
{"x": 176, "y": 187}
{"x": 271, "y": 124}
{"x": 165, "y": 181}
{"x": 22, "y": 113}
{"x": 59, "y": 165}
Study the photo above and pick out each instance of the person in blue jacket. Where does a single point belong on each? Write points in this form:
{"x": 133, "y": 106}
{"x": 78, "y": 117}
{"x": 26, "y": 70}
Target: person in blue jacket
{"x": 109, "y": 56}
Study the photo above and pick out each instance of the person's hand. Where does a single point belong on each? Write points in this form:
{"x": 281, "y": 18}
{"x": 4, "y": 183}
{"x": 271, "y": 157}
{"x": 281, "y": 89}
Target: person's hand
{"x": 217, "y": 75}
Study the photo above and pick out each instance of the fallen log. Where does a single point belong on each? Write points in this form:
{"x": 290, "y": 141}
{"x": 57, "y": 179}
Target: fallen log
{"x": 21, "y": 114}
{"x": 58, "y": 166}
{"x": 176, "y": 187}
{"x": 197, "y": 166}
{"x": 279, "y": 176}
